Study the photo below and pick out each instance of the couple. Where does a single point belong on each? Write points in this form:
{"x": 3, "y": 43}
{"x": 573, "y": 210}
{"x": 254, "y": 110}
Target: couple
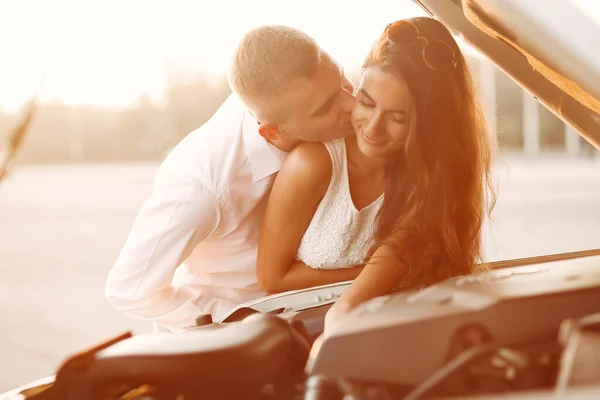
{"x": 296, "y": 181}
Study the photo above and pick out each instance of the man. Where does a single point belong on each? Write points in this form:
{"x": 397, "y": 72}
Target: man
{"x": 203, "y": 216}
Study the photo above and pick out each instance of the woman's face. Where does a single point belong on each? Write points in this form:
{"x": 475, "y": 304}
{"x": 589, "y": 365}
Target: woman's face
{"x": 382, "y": 113}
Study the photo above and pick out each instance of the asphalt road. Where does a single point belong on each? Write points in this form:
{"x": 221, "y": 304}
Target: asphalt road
{"x": 61, "y": 228}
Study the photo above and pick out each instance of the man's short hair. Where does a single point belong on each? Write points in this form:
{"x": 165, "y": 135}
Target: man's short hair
{"x": 268, "y": 59}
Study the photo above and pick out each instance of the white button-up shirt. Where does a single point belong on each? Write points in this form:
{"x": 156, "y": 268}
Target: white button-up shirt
{"x": 192, "y": 248}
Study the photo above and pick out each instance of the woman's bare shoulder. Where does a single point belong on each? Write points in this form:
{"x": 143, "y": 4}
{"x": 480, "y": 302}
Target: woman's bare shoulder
{"x": 308, "y": 161}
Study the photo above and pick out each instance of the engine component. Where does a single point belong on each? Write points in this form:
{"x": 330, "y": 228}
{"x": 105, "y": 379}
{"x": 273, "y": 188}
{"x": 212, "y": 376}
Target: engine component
{"x": 404, "y": 338}
{"x": 240, "y": 360}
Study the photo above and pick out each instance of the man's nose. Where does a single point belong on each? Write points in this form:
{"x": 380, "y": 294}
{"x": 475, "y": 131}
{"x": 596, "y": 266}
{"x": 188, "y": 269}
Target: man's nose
{"x": 347, "y": 101}
{"x": 347, "y": 84}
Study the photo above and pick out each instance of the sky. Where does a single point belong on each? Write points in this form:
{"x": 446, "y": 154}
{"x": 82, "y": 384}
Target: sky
{"x": 109, "y": 52}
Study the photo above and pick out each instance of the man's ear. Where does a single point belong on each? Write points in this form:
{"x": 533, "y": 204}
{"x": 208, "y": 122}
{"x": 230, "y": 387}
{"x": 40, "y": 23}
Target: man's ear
{"x": 269, "y": 131}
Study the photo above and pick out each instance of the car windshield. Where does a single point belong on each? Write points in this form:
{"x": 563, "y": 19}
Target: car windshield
{"x": 118, "y": 84}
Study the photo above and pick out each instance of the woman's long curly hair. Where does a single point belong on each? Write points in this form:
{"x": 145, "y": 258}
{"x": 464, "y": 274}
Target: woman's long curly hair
{"x": 439, "y": 189}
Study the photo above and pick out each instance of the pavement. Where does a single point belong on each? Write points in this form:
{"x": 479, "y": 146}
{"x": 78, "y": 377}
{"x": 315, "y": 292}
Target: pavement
{"x": 61, "y": 228}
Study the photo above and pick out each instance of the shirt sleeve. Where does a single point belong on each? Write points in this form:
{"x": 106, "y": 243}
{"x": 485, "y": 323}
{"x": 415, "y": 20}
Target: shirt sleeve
{"x": 180, "y": 213}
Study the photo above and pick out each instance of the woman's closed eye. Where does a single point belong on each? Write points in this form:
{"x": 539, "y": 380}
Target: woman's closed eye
{"x": 399, "y": 119}
{"x": 365, "y": 103}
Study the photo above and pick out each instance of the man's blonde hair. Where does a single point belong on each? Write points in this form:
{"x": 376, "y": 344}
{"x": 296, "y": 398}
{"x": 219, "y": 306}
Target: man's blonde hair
{"x": 268, "y": 59}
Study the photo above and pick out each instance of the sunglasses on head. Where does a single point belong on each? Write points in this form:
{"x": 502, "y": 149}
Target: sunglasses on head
{"x": 436, "y": 54}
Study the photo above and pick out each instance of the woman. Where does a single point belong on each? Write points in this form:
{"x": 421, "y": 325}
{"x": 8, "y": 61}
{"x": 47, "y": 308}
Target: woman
{"x": 402, "y": 202}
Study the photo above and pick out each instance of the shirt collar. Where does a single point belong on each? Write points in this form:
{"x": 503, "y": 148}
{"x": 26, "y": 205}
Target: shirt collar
{"x": 264, "y": 158}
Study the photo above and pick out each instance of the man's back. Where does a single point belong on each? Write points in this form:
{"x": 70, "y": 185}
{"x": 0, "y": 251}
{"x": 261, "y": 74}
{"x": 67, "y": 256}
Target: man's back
{"x": 204, "y": 215}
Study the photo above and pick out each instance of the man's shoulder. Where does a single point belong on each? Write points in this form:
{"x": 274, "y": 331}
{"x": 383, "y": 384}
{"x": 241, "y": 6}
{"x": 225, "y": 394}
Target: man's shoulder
{"x": 222, "y": 126}
{"x": 214, "y": 150}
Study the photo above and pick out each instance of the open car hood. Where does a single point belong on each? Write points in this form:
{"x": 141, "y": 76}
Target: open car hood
{"x": 547, "y": 48}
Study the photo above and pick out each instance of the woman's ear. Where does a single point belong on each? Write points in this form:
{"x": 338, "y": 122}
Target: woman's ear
{"x": 269, "y": 131}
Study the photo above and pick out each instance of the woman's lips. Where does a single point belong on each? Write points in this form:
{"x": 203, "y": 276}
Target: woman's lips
{"x": 369, "y": 140}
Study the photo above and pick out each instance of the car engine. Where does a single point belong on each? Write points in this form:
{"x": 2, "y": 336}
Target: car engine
{"x": 492, "y": 332}
{"x": 524, "y": 331}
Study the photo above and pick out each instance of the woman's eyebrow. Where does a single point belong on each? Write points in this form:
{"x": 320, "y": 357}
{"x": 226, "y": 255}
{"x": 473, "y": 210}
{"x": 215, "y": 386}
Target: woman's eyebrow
{"x": 366, "y": 94}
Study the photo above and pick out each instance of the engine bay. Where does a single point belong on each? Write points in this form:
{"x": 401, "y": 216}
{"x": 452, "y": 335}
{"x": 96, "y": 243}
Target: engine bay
{"x": 510, "y": 331}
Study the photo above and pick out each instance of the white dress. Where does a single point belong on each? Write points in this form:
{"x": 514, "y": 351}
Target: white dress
{"x": 339, "y": 235}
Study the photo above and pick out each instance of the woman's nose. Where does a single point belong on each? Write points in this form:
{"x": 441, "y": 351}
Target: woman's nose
{"x": 373, "y": 126}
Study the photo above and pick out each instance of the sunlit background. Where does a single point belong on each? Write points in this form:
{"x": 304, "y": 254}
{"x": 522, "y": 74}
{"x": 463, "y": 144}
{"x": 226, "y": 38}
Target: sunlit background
{"x": 109, "y": 53}
{"x": 121, "y": 82}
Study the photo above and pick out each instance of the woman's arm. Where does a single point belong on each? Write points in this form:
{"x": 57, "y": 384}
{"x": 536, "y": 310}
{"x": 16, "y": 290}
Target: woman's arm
{"x": 299, "y": 187}
{"x": 381, "y": 275}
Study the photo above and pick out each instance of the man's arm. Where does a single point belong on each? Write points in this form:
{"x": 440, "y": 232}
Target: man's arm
{"x": 178, "y": 215}
{"x": 297, "y": 191}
